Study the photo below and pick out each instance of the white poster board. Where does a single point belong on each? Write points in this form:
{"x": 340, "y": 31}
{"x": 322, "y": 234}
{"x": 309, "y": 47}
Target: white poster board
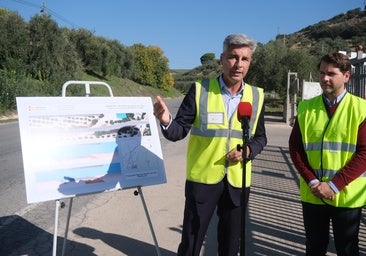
{"x": 310, "y": 90}
{"x": 80, "y": 145}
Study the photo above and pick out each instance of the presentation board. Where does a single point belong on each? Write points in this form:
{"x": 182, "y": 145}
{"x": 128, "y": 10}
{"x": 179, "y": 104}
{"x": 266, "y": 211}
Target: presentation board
{"x": 81, "y": 145}
{"x": 310, "y": 90}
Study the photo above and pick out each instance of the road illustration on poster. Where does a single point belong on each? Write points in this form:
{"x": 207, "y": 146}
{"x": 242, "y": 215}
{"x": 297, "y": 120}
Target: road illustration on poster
{"x": 81, "y": 145}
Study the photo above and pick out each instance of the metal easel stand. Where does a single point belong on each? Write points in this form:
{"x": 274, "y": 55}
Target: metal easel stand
{"x": 139, "y": 192}
{"x": 54, "y": 247}
{"x": 62, "y": 205}
{"x": 58, "y": 206}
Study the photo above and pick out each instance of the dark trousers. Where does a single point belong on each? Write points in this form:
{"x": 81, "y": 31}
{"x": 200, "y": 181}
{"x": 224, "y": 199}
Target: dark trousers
{"x": 346, "y": 225}
{"x": 201, "y": 202}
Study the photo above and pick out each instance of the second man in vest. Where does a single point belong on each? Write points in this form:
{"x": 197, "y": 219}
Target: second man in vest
{"x": 328, "y": 148}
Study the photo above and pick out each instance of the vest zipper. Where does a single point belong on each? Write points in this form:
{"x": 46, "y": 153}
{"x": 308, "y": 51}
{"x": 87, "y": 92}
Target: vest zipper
{"x": 321, "y": 151}
{"x": 228, "y": 138}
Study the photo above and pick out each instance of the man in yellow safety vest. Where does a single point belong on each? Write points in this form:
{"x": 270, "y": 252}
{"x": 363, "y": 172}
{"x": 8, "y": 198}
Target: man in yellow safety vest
{"x": 328, "y": 148}
{"x": 214, "y": 163}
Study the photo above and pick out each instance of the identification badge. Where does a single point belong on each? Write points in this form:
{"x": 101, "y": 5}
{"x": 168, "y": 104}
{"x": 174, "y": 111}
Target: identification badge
{"x": 215, "y": 118}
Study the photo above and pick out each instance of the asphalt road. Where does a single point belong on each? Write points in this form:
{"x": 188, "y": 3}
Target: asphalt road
{"x": 13, "y": 201}
{"x": 12, "y": 189}
{"x": 114, "y": 224}
{"x": 20, "y": 222}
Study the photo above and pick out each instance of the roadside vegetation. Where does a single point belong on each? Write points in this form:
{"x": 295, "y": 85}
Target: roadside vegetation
{"x": 38, "y": 57}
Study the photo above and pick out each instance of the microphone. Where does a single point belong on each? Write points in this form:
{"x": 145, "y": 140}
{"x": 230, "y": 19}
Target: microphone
{"x": 244, "y": 111}
{"x": 244, "y": 115}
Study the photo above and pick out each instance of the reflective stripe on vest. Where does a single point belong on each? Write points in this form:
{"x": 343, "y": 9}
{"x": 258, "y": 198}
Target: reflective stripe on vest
{"x": 210, "y": 140}
{"x": 330, "y": 143}
{"x": 203, "y": 131}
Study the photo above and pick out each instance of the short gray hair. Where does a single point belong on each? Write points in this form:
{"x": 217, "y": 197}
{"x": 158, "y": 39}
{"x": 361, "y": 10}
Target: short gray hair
{"x": 239, "y": 40}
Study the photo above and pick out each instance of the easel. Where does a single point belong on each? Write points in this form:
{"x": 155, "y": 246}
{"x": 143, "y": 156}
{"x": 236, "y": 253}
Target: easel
{"x": 62, "y": 205}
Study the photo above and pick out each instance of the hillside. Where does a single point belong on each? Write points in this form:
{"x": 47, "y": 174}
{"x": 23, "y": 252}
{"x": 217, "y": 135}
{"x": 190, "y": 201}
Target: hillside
{"x": 343, "y": 32}
{"x": 121, "y": 87}
{"x": 349, "y": 27}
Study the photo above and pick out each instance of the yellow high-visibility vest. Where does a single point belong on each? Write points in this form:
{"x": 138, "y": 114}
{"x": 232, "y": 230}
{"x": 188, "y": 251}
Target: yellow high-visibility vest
{"x": 330, "y": 143}
{"x": 213, "y": 136}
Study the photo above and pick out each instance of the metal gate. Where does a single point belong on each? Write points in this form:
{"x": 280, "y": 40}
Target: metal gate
{"x": 357, "y": 83}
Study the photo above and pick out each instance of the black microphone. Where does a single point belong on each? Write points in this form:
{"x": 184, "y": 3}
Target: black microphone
{"x": 244, "y": 111}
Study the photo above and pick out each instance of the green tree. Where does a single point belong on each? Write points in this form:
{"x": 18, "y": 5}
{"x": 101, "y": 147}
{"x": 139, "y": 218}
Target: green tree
{"x": 143, "y": 66}
{"x": 52, "y": 58}
{"x": 14, "y": 42}
{"x": 116, "y": 67}
{"x": 87, "y": 47}
{"x": 150, "y": 67}
{"x": 10, "y": 88}
{"x": 301, "y": 62}
{"x": 207, "y": 58}
{"x": 266, "y": 69}
{"x": 70, "y": 62}
{"x": 108, "y": 57}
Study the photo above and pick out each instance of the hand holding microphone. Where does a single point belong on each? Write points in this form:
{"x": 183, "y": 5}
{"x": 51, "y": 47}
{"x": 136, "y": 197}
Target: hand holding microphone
{"x": 236, "y": 155}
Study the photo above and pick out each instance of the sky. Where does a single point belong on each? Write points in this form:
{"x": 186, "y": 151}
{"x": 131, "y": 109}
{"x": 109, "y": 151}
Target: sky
{"x": 187, "y": 29}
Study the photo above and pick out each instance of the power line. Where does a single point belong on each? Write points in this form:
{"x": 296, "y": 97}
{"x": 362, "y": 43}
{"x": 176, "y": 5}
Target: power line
{"x": 43, "y": 9}
{"x": 26, "y": 3}
{"x": 55, "y": 14}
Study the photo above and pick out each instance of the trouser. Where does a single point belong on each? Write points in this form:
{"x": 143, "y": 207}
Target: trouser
{"x": 346, "y": 225}
{"x": 201, "y": 202}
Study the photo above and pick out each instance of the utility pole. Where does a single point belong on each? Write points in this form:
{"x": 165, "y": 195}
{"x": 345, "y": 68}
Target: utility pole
{"x": 43, "y": 9}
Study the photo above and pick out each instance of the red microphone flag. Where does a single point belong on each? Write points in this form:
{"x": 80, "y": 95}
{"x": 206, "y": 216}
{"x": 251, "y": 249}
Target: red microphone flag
{"x": 244, "y": 110}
